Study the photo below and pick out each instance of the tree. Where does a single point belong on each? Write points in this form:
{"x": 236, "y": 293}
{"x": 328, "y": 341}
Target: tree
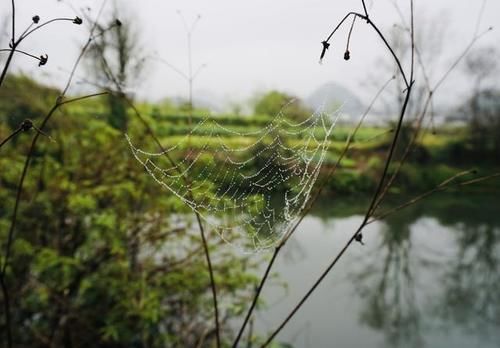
{"x": 97, "y": 260}
{"x": 116, "y": 61}
{"x": 483, "y": 106}
{"x": 23, "y": 98}
{"x": 274, "y": 102}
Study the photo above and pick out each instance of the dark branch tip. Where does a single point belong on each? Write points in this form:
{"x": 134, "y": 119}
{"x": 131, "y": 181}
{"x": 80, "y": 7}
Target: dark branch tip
{"x": 359, "y": 238}
{"x": 77, "y": 20}
{"x": 26, "y": 125}
{"x": 36, "y": 19}
{"x": 347, "y": 55}
{"x": 43, "y": 59}
{"x": 326, "y": 45}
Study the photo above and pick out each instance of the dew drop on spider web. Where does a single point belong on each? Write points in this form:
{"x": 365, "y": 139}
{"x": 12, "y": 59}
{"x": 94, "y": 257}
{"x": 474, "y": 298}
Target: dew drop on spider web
{"x": 250, "y": 187}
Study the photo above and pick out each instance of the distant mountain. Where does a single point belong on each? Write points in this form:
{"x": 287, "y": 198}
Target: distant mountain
{"x": 331, "y": 96}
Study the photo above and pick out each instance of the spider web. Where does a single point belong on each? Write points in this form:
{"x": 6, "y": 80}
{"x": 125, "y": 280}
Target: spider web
{"x": 249, "y": 184}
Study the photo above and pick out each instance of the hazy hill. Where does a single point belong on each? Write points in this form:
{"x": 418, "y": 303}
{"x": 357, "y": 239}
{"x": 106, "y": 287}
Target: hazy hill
{"x": 332, "y": 96}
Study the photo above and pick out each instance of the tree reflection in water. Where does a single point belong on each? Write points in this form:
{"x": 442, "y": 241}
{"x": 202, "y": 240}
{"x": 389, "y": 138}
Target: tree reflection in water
{"x": 410, "y": 285}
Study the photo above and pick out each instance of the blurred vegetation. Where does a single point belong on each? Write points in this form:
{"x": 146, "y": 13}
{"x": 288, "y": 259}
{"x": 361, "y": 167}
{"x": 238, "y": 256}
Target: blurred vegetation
{"x": 274, "y": 102}
{"x": 102, "y": 258}
{"x": 99, "y": 258}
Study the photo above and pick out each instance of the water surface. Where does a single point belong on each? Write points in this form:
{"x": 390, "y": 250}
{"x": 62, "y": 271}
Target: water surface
{"x": 428, "y": 276}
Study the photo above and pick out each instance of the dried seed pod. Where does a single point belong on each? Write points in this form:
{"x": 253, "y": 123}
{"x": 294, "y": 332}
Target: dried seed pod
{"x": 359, "y": 238}
{"x": 26, "y": 125}
{"x": 43, "y": 60}
{"x": 326, "y": 45}
{"x": 347, "y": 55}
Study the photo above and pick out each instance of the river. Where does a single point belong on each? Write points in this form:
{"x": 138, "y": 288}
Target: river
{"x": 428, "y": 276}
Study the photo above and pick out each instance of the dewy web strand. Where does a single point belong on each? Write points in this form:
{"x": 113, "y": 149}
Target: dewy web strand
{"x": 250, "y": 192}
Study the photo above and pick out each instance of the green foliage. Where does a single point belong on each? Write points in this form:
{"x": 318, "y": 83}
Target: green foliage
{"x": 274, "y": 102}
{"x": 22, "y": 98}
{"x": 103, "y": 257}
{"x": 98, "y": 260}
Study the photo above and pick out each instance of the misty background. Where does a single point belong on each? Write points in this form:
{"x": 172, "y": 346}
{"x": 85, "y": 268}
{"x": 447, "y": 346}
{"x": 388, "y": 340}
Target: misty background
{"x": 247, "y": 48}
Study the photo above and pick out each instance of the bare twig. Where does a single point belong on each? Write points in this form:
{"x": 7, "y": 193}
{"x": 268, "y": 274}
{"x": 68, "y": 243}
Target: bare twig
{"x": 59, "y": 102}
{"x": 304, "y": 213}
{"x": 428, "y": 103}
{"x": 445, "y": 185}
{"x": 357, "y": 235}
{"x": 11, "y": 136}
{"x": 212, "y": 280}
{"x": 213, "y": 286}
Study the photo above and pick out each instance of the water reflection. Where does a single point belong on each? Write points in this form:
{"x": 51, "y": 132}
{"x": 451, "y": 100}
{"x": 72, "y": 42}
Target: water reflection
{"x": 434, "y": 267}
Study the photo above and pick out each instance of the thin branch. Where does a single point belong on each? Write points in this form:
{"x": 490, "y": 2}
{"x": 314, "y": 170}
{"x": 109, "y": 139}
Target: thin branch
{"x": 84, "y": 49}
{"x": 257, "y": 295}
{"x": 28, "y": 33}
{"x": 178, "y": 71}
{"x": 357, "y": 235}
{"x": 364, "y": 8}
{"x": 381, "y": 36}
{"x": 347, "y": 54}
{"x": 212, "y": 280}
{"x": 428, "y": 103}
{"x": 459, "y": 59}
{"x": 64, "y": 102}
{"x": 19, "y": 51}
{"x": 445, "y": 185}
{"x": 479, "y": 18}
{"x": 13, "y": 10}
{"x": 29, "y": 156}
{"x": 305, "y": 211}
{"x": 354, "y": 236}
{"x": 6, "y": 308}
{"x": 198, "y": 217}
{"x": 11, "y": 136}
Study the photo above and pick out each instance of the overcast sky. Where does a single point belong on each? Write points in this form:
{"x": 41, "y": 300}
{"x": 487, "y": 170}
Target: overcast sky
{"x": 256, "y": 45}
